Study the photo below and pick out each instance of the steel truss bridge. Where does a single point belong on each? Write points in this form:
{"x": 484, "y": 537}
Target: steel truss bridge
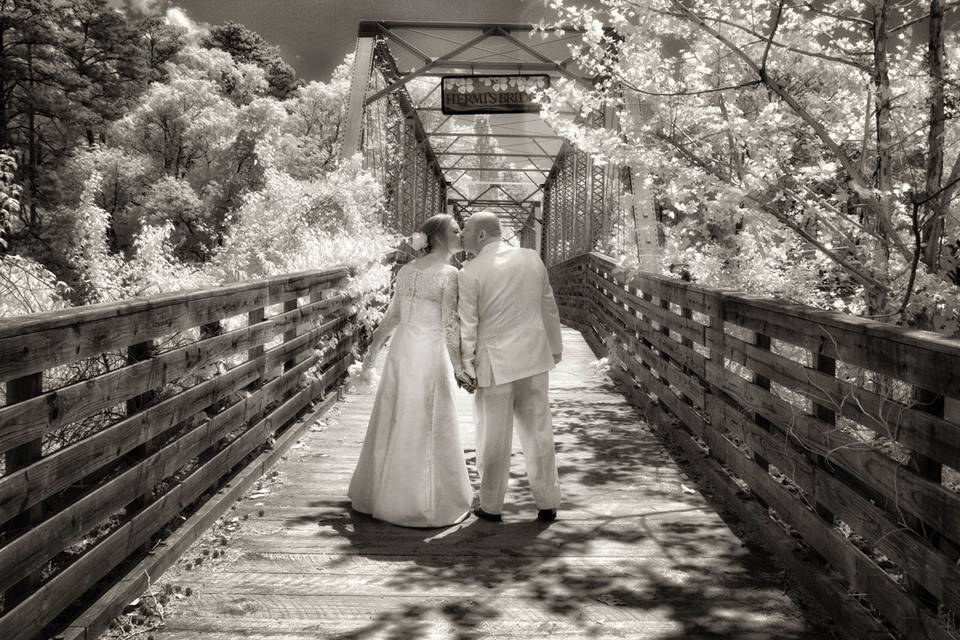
{"x": 550, "y": 195}
{"x": 212, "y": 490}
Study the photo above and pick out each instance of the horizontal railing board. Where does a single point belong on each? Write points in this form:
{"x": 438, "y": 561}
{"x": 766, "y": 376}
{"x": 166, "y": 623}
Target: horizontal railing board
{"x": 65, "y": 318}
{"x": 862, "y": 572}
{"x": 97, "y": 618}
{"x": 26, "y": 487}
{"x": 35, "y": 612}
{"x": 930, "y": 500}
{"x": 79, "y": 577}
{"x": 924, "y": 432}
{"x": 771, "y": 445}
{"x": 686, "y": 327}
{"x": 679, "y": 352}
{"x": 670, "y": 372}
{"x": 28, "y": 552}
{"x": 824, "y": 585}
{"x": 931, "y": 568}
{"x": 42, "y": 341}
{"x": 855, "y": 474}
{"x": 33, "y": 418}
{"x": 923, "y": 358}
{"x": 933, "y": 364}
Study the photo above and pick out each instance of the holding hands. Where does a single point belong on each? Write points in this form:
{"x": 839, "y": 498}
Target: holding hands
{"x": 465, "y": 382}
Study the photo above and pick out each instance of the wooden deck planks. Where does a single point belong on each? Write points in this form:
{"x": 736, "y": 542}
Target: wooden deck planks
{"x": 633, "y": 555}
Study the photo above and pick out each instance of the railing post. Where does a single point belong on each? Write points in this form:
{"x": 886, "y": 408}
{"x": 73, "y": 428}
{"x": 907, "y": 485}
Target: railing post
{"x": 926, "y": 467}
{"x": 715, "y": 334}
{"x": 827, "y": 365}
{"x": 211, "y": 330}
{"x": 317, "y": 296}
{"x": 18, "y": 390}
{"x": 761, "y": 341}
{"x": 138, "y": 353}
{"x": 290, "y": 305}
{"x": 255, "y": 317}
{"x": 665, "y": 330}
{"x": 687, "y": 313}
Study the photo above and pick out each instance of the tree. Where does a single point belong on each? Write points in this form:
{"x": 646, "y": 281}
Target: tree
{"x": 785, "y": 140}
{"x": 161, "y": 42}
{"x": 249, "y": 47}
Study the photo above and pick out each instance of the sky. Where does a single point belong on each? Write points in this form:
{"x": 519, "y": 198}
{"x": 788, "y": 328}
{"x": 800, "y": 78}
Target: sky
{"x": 315, "y": 35}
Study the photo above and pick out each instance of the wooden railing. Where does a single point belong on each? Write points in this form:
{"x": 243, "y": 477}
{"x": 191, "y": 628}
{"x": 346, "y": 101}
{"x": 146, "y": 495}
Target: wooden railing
{"x": 119, "y": 417}
{"x": 846, "y": 428}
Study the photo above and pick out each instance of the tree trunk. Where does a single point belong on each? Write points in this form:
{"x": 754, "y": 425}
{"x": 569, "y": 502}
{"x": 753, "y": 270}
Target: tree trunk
{"x": 4, "y": 134}
{"x": 736, "y": 158}
{"x": 32, "y": 165}
{"x": 881, "y": 83}
{"x": 934, "y": 209}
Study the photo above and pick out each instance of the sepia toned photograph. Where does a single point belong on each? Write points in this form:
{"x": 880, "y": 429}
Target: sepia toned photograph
{"x": 468, "y": 319}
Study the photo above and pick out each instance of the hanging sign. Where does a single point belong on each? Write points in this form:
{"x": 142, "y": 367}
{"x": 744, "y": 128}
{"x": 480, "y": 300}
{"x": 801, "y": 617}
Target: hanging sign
{"x": 491, "y": 94}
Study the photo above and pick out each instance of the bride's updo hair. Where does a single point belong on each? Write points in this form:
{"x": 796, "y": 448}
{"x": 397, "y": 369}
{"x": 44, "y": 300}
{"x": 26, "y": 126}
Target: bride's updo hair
{"x": 434, "y": 227}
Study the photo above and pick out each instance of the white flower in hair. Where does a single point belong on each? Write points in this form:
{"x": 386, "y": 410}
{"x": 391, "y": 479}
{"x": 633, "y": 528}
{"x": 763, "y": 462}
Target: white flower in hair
{"x": 418, "y": 241}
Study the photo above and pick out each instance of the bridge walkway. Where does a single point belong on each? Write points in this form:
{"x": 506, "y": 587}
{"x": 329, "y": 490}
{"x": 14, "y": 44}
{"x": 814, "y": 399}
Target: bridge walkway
{"x": 638, "y": 551}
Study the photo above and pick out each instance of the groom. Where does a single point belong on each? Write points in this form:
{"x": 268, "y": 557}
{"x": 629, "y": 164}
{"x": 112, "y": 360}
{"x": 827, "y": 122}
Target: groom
{"x": 510, "y": 339}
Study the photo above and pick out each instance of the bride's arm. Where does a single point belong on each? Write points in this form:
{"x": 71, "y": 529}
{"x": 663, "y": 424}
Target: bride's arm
{"x": 451, "y": 321}
{"x": 388, "y": 323}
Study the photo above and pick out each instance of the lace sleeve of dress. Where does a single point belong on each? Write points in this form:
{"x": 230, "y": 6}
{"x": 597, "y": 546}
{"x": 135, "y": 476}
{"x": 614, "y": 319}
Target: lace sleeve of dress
{"x": 391, "y": 317}
{"x": 450, "y": 319}
{"x": 389, "y": 321}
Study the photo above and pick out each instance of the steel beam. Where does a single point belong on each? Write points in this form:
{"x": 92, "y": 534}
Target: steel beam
{"x": 370, "y": 26}
{"x": 362, "y": 65}
{"x": 537, "y": 136}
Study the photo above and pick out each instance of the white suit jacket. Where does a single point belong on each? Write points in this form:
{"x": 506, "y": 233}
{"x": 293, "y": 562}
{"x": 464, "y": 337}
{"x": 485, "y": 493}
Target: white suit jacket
{"x": 509, "y": 322}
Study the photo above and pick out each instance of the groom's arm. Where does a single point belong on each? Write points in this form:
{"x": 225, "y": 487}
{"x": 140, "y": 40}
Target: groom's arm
{"x": 467, "y": 310}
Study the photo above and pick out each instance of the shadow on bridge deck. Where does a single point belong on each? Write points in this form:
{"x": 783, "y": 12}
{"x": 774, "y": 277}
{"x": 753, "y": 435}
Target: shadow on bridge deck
{"x": 638, "y": 552}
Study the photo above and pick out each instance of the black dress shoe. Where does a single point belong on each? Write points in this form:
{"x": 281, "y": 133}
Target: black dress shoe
{"x": 492, "y": 517}
{"x": 547, "y": 515}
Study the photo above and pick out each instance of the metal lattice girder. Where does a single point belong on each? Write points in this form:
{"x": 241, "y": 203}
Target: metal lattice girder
{"x": 431, "y": 195}
{"x": 582, "y": 230}
{"x": 408, "y": 180}
{"x": 392, "y": 179}
{"x": 597, "y": 221}
{"x": 549, "y": 244}
{"x": 568, "y": 183}
{"x": 440, "y": 201}
{"x": 420, "y": 202}
{"x": 546, "y": 240}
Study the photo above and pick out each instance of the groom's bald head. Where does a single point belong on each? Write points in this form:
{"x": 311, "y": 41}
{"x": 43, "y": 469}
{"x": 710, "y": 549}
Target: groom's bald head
{"x": 480, "y": 229}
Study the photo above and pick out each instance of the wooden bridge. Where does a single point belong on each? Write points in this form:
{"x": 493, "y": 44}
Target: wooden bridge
{"x": 833, "y": 440}
{"x": 734, "y": 446}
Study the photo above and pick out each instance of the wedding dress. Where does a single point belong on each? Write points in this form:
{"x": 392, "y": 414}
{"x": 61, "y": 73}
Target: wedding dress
{"x": 411, "y": 470}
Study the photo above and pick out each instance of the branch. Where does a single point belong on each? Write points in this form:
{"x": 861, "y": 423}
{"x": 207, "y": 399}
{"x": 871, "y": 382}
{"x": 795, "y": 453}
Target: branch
{"x": 773, "y": 32}
{"x": 839, "y": 16}
{"x": 947, "y": 7}
{"x": 763, "y": 38}
{"x": 858, "y": 179}
{"x": 857, "y": 274}
{"x": 948, "y": 188}
{"x": 918, "y": 242}
{"x": 863, "y": 278}
{"x": 742, "y": 85}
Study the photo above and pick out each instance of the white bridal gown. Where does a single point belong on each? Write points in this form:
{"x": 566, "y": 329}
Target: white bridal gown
{"x": 411, "y": 470}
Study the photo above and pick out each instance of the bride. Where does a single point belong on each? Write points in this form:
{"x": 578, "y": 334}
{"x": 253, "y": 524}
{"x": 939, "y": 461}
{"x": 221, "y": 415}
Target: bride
{"x": 411, "y": 470}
